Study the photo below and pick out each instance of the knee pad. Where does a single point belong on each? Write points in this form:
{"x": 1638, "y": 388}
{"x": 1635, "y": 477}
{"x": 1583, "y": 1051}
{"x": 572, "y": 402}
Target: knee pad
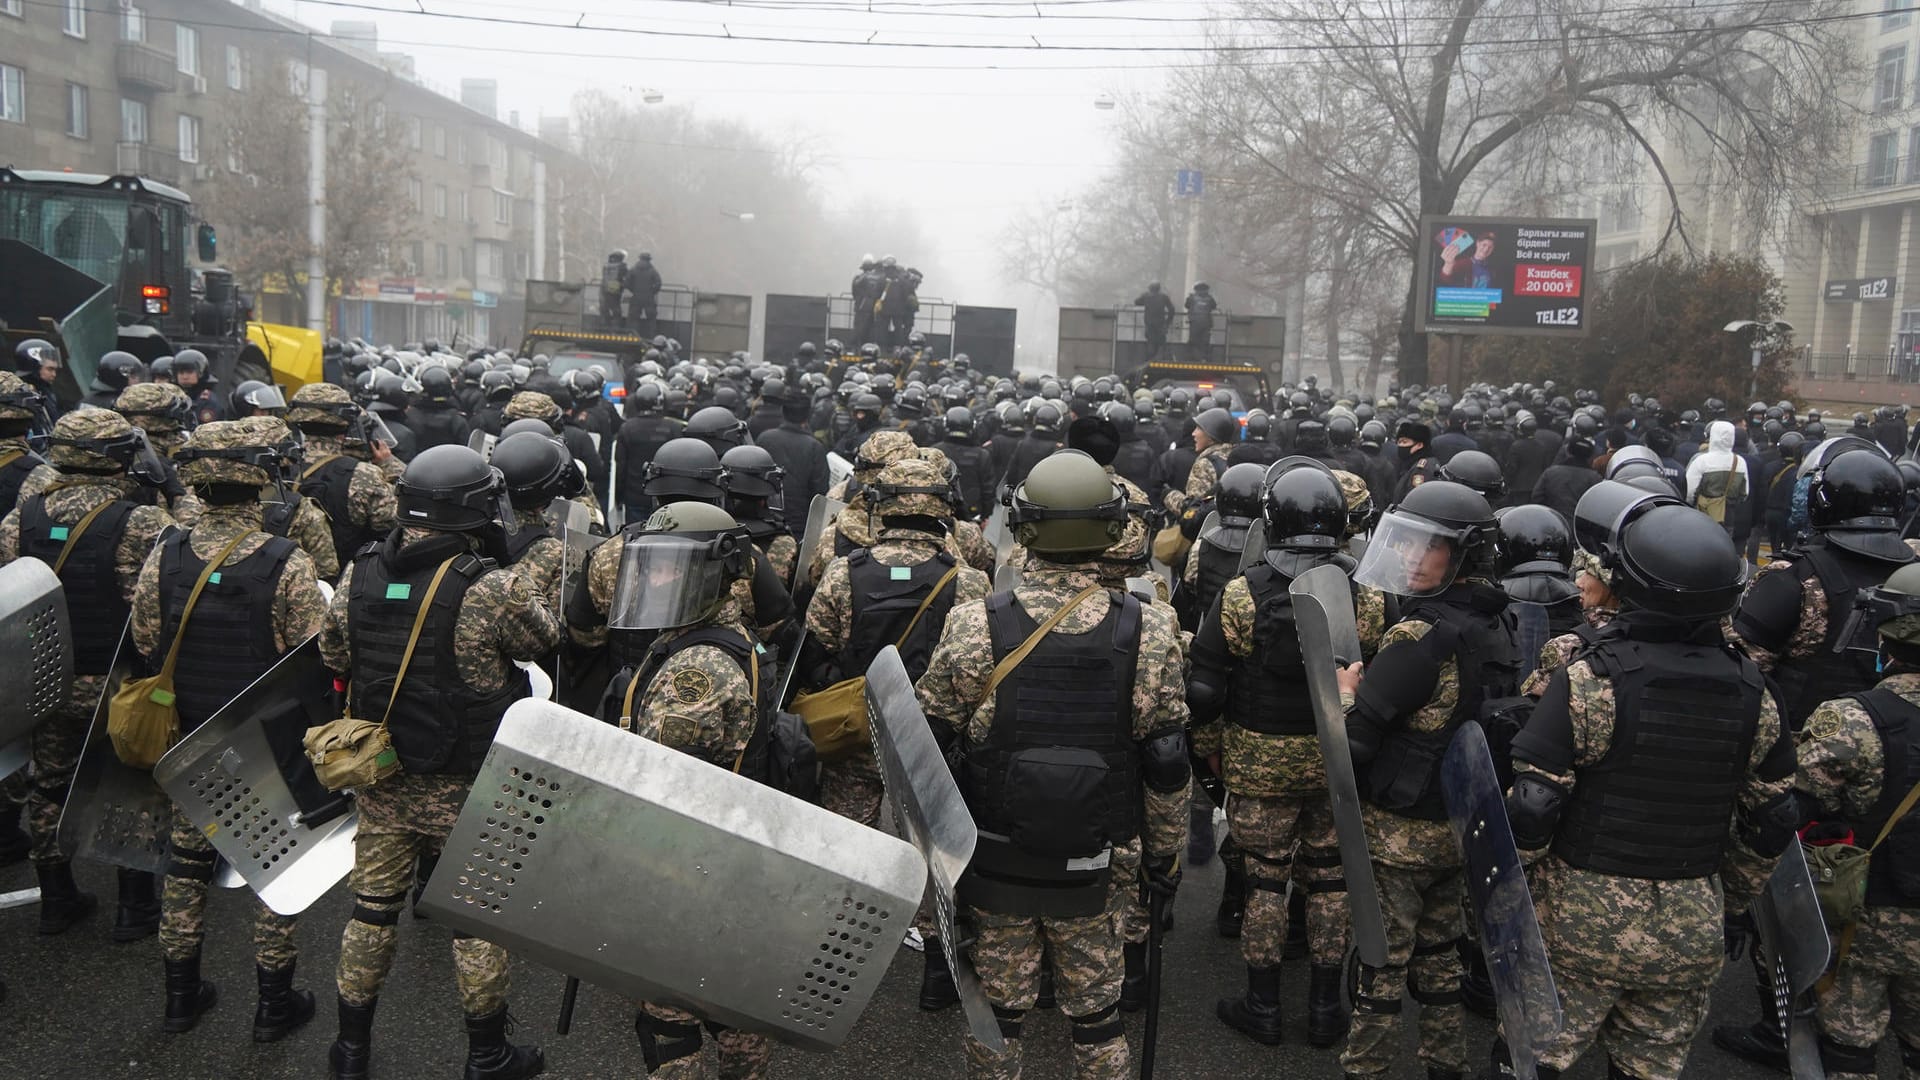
{"x": 53, "y": 793}
{"x": 1098, "y": 1027}
{"x": 1268, "y": 875}
{"x": 1446, "y": 995}
{"x": 1009, "y": 1020}
{"x": 377, "y": 910}
{"x": 1839, "y": 1057}
{"x": 190, "y": 865}
{"x": 1331, "y": 885}
{"x": 664, "y": 1041}
{"x": 1368, "y": 1001}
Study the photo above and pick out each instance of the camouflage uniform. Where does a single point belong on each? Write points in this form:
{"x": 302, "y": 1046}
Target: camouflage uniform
{"x": 68, "y": 497}
{"x": 541, "y": 563}
{"x": 1843, "y": 769}
{"x": 701, "y": 703}
{"x": 309, "y": 529}
{"x": 501, "y": 620}
{"x": 882, "y": 448}
{"x": 1277, "y": 792}
{"x": 159, "y": 410}
{"x": 1810, "y": 630}
{"x": 783, "y": 551}
{"x": 1201, "y": 479}
{"x": 533, "y": 405}
{"x": 297, "y": 608}
{"x": 1635, "y": 959}
{"x": 15, "y": 454}
{"x": 1086, "y": 952}
{"x": 371, "y": 506}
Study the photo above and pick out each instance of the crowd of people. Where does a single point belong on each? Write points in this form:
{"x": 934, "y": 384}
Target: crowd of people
{"x": 1691, "y": 638}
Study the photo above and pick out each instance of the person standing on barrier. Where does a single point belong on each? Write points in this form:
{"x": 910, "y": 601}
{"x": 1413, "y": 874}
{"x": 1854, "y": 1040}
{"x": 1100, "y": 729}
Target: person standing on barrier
{"x": 259, "y": 601}
{"x": 431, "y": 597}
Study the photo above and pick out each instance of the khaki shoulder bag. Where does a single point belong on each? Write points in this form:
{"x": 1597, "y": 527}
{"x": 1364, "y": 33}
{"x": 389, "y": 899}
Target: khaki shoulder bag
{"x": 355, "y": 753}
{"x": 836, "y": 717}
{"x": 142, "y": 720}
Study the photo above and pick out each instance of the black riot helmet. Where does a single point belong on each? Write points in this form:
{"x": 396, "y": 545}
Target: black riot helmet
{"x": 716, "y": 426}
{"x": 1304, "y": 510}
{"x": 684, "y": 469}
{"x": 116, "y": 371}
{"x": 436, "y": 385}
{"x": 497, "y": 385}
{"x": 1259, "y": 425}
{"x": 1856, "y": 501}
{"x": 750, "y": 472}
{"x": 1310, "y": 437}
{"x": 536, "y": 470}
{"x": 1238, "y": 493}
{"x": 1046, "y": 421}
{"x": 449, "y": 488}
{"x": 1792, "y": 444}
{"x": 1662, "y": 556}
{"x": 959, "y": 422}
{"x": 1125, "y": 422}
{"x": 1440, "y": 530}
{"x": 1534, "y": 555}
{"x": 1633, "y": 461}
{"x": 1477, "y": 470}
{"x": 1341, "y": 430}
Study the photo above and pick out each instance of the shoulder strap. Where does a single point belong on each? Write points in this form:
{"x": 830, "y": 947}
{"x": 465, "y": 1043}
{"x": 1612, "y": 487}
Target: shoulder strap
{"x": 10, "y": 457}
{"x": 413, "y": 639}
{"x": 938, "y": 587}
{"x": 1013, "y": 659}
{"x": 317, "y": 466}
{"x": 1905, "y": 807}
{"x": 73, "y": 534}
{"x": 206, "y": 574}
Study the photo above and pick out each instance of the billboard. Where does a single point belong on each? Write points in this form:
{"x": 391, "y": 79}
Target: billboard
{"x": 1494, "y": 275}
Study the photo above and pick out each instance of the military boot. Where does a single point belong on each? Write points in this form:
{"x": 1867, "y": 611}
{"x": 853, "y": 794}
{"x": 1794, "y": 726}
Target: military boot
{"x": 1762, "y": 1042}
{"x": 281, "y": 1008}
{"x": 1296, "y": 947}
{"x": 1133, "y": 985}
{"x": 14, "y": 844}
{"x": 936, "y": 979}
{"x": 61, "y": 902}
{"x": 352, "y": 1048}
{"x": 1257, "y": 1015}
{"x": 1503, "y": 1065}
{"x": 491, "y": 1057}
{"x": 1233, "y": 901}
{"x": 188, "y": 995}
{"x": 1326, "y": 1007}
{"x": 138, "y": 913}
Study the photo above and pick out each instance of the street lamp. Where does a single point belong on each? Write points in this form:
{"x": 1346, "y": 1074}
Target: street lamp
{"x": 1761, "y": 332}
{"x": 1103, "y": 101}
{"x": 742, "y": 216}
{"x": 652, "y": 96}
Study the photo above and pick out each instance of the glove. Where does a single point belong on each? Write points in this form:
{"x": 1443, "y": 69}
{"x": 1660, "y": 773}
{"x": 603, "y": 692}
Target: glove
{"x": 1161, "y": 873}
{"x": 1741, "y": 934}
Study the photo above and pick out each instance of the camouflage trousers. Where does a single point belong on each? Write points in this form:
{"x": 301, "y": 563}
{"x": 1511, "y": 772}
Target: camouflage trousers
{"x": 1126, "y": 902}
{"x": 1878, "y": 984}
{"x": 57, "y": 743}
{"x": 853, "y": 789}
{"x": 676, "y": 1033}
{"x": 1645, "y": 1030}
{"x": 183, "y": 905}
{"x": 1087, "y": 966}
{"x": 1266, "y": 830}
{"x": 402, "y": 819}
{"x": 1421, "y": 908}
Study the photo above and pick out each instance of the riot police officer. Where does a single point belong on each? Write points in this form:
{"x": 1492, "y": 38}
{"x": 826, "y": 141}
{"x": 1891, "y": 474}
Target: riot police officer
{"x": 113, "y": 373}
{"x": 613, "y": 284}
{"x": 344, "y": 444}
{"x": 1214, "y": 558}
{"x": 445, "y": 708}
{"x": 645, "y": 430}
{"x": 972, "y": 463}
{"x": 756, "y": 496}
{"x": 436, "y": 417}
{"x": 22, "y": 411}
{"x": 801, "y": 457}
{"x": 536, "y": 470}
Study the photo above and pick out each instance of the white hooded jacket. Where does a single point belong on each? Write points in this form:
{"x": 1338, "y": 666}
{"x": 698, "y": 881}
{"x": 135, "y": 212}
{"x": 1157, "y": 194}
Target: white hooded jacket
{"x": 1717, "y": 458}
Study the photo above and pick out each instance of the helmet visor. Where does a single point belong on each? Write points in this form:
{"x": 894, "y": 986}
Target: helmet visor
{"x": 665, "y": 580}
{"x": 1411, "y": 556}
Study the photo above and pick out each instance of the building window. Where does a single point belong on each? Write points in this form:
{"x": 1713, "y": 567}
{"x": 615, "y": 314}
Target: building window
{"x": 496, "y": 153}
{"x": 13, "y": 94}
{"x": 439, "y": 141}
{"x": 76, "y": 19}
{"x": 13, "y": 8}
{"x": 418, "y": 258}
{"x": 1890, "y": 81}
{"x": 440, "y": 259}
{"x": 414, "y": 196}
{"x": 460, "y": 149}
{"x": 413, "y": 133}
{"x": 466, "y": 264}
{"x": 133, "y": 25}
{"x": 236, "y": 69}
{"x": 466, "y": 213}
{"x": 440, "y": 201}
{"x": 502, "y": 208}
{"x": 1897, "y": 14}
{"x": 189, "y": 138}
{"x": 77, "y": 111}
{"x": 1883, "y": 159}
{"x": 186, "y": 50}
{"x": 133, "y": 120}
{"x": 379, "y": 114}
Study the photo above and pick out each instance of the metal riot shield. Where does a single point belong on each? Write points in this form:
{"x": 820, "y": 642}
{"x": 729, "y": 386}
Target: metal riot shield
{"x": 37, "y": 641}
{"x": 996, "y": 533}
{"x": 839, "y": 469}
{"x": 1007, "y": 577}
{"x": 242, "y": 779}
{"x": 1795, "y": 948}
{"x": 1254, "y": 546}
{"x": 572, "y": 524}
{"x": 1323, "y": 617}
{"x": 819, "y": 512}
{"x": 482, "y": 443}
{"x": 1502, "y": 907}
{"x": 114, "y": 813}
{"x": 926, "y": 801}
{"x": 761, "y": 911}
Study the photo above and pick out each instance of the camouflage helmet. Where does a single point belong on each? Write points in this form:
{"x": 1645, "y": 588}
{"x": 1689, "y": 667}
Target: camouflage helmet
{"x": 533, "y": 405}
{"x": 912, "y": 486}
{"x": 236, "y": 452}
{"x": 155, "y": 408}
{"x": 322, "y": 406}
{"x": 1359, "y": 501}
{"x": 1068, "y": 508}
{"x": 1586, "y": 562}
{"x": 881, "y": 449}
{"x": 97, "y": 441}
{"x": 18, "y": 400}
{"x": 1896, "y": 606}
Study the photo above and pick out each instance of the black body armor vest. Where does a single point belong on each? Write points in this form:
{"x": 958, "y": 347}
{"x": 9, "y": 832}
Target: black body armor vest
{"x": 1267, "y": 692}
{"x": 13, "y": 474}
{"x": 229, "y": 640}
{"x": 1826, "y": 674}
{"x": 884, "y": 601}
{"x": 328, "y": 485}
{"x": 1893, "y": 877}
{"x": 89, "y": 580}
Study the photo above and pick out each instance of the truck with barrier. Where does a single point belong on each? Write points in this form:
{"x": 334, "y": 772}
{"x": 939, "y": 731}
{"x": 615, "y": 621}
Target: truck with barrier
{"x": 985, "y": 334}
{"x": 564, "y": 323}
{"x": 1245, "y": 352}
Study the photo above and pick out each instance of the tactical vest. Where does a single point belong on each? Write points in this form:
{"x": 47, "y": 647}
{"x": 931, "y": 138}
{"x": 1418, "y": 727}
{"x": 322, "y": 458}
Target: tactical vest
{"x": 438, "y": 724}
{"x": 1217, "y": 566}
{"x": 15, "y": 466}
{"x": 229, "y": 640}
{"x": 1825, "y": 674}
{"x": 1893, "y": 876}
{"x": 1404, "y": 777}
{"x": 276, "y": 518}
{"x": 329, "y": 484}
{"x": 1059, "y": 772}
{"x": 89, "y": 580}
{"x": 1267, "y": 692}
{"x": 522, "y": 538}
{"x": 1657, "y": 806}
{"x": 884, "y": 601}
{"x": 655, "y": 656}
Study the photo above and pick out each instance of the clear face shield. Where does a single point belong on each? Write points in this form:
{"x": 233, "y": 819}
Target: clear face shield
{"x": 669, "y": 580}
{"x": 366, "y": 430}
{"x": 1411, "y": 556}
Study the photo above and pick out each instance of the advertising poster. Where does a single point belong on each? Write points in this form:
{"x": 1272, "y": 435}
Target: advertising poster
{"x": 1490, "y": 275}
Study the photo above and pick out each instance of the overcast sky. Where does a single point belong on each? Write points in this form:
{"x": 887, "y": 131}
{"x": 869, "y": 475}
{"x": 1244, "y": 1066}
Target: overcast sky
{"x": 965, "y": 137}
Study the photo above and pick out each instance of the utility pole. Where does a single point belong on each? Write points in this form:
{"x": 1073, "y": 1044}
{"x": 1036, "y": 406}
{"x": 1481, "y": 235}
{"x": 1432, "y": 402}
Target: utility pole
{"x": 316, "y": 199}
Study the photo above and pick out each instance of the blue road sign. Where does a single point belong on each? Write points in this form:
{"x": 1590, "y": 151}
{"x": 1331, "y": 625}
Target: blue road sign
{"x": 1188, "y": 184}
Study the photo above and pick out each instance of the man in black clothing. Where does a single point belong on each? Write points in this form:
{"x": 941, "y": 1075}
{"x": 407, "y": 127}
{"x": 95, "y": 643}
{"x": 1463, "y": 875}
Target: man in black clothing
{"x": 644, "y": 282}
{"x": 800, "y": 456}
{"x": 1560, "y": 486}
{"x": 1157, "y": 315}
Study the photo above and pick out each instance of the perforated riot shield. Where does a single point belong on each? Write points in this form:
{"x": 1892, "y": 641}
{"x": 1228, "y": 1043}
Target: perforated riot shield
{"x": 1323, "y": 617}
{"x": 1502, "y": 907}
{"x": 37, "y": 641}
{"x": 482, "y": 443}
{"x": 242, "y": 779}
{"x": 1795, "y": 948}
{"x": 658, "y": 876}
{"x": 819, "y": 512}
{"x": 839, "y": 469}
{"x": 114, "y": 813}
{"x": 933, "y": 816}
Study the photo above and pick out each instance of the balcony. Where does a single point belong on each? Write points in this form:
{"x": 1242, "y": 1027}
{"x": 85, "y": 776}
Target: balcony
{"x": 144, "y": 67}
{"x": 142, "y": 159}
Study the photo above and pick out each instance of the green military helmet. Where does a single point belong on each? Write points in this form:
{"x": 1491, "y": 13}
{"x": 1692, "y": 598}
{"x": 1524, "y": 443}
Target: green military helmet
{"x": 677, "y": 568}
{"x": 236, "y": 452}
{"x": 1068, "y": 508}
{"x": 1897, "y": 606}
{"x": 18, "y": 400}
